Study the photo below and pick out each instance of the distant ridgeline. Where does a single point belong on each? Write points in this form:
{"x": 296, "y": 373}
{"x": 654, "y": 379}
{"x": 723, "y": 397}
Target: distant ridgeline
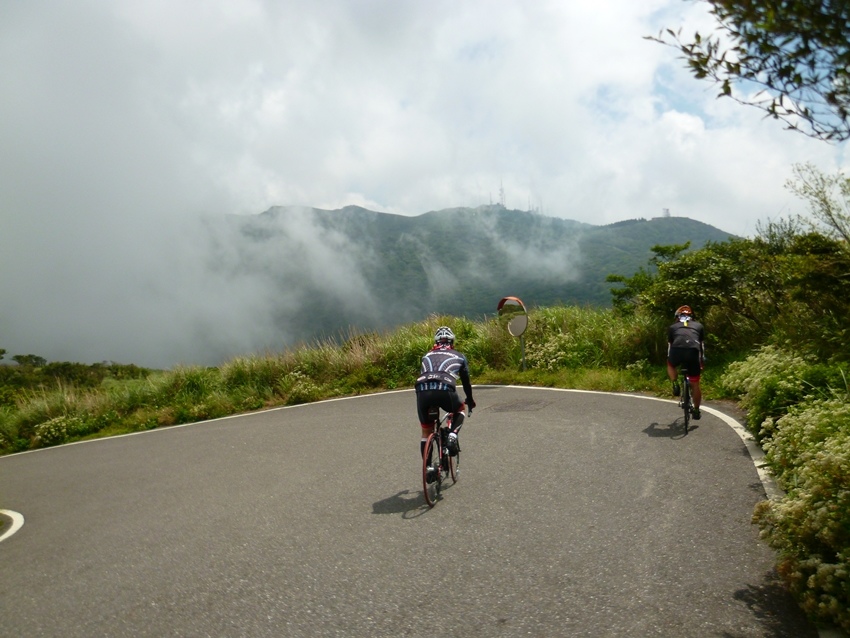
{"x": 352, "y": 267}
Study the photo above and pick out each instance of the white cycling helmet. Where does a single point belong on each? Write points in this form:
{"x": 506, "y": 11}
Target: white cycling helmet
{"x": 444, "y": 334}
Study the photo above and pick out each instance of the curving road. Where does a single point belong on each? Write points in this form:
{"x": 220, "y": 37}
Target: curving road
{"x": 577, "y": 514}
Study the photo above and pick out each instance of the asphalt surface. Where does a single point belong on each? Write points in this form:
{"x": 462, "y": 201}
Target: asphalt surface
{"x": 576, "y": 514}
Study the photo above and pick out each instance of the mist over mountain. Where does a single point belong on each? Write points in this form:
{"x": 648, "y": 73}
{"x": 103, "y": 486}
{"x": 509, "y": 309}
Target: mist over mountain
{"x": 202, "y": 290}
{"x": 325, "y": 272}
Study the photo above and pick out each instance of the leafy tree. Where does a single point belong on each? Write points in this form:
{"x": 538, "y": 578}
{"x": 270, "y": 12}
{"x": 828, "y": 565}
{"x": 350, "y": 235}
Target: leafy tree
{"x": 788, "y": 287}
{"x": 828, "y": 197}
{"x": 797, "y": 51}
{"x": 726, "y": 284}
{"x": 818, "y": 291}
{"x": 32, "y": 360}
{"x": 625, "y": 300}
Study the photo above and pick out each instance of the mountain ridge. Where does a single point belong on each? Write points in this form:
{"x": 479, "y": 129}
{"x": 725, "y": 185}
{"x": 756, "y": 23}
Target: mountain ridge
{"x": 331, "y": 271}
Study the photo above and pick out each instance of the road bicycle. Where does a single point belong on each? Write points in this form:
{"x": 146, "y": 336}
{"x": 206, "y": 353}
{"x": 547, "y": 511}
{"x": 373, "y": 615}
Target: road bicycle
{"x": 686, "y": 401}
{"x": 437, "y": 464}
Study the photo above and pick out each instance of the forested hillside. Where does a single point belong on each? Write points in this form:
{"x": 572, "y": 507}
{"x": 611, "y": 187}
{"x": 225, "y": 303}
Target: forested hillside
{"x": 358, "y": 268}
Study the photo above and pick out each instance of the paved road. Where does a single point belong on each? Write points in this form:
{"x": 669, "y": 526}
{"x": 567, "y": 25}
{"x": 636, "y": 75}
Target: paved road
{"x": 577, "y": 514}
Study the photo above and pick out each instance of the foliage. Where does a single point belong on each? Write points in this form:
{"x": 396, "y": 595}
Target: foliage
{"x": 796, "y": 51}
{"x": 830, "y": 209}
{"x": 69, "y": 426}
{"x": 771, "y": 381}
{"x": 800, "y": 411}
{"x": 810, "y": 525}
{"x": 787, "y": 286}
{"x": 571, "y": 337}
{"x": 625, "y": 300}
{"x": 33, "y": 372}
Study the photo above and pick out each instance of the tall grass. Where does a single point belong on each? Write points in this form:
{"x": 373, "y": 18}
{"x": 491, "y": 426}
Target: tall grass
{"x": 573, "y": 337}
{"x": 564, "y": 346}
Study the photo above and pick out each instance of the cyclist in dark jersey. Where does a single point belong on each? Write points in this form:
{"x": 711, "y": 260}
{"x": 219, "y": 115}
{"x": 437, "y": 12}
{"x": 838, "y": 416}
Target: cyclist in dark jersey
{"x": 686, "y": 346}
{"x": 436, "y": 385}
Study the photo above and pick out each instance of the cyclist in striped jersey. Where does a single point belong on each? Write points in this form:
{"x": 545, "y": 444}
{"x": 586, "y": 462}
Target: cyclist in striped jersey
{"x": 436, "y": 385}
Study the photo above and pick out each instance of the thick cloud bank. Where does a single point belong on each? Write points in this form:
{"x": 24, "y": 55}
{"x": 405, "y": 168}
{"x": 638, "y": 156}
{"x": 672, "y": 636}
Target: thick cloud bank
{"x": 123, "y": 123}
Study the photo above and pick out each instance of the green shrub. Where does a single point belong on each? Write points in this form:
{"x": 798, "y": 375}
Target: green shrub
{"x": 68, "y": 427}
{"x": 219, "y": 404}
{"x": 797, "y": 438}
{"x": 367, "y": 376}
{"x": 770, "y": 381}
{"x": 54, "y": 431}
{"x": 298, "y": 387}
{"x": 810, "y": 526}
{"x": 128, "y": 396}
{"x": 8, "y": 396}
{"x": 8, "y": 429}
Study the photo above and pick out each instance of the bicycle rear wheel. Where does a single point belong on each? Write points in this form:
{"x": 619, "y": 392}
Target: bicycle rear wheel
{"x": 686, "y": 402}
{"x": 431, "y": 479}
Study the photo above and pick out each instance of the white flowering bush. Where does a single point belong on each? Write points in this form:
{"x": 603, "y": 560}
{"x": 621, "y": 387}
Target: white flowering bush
{"x": 799, "y": 437}
{"x": 643, "y": 367}
{"x": 297, "y": 387}
{"x": 58, "y": 430}
{"x": 800, "y": 411}
{"x": 748, "y": 378}
{"x": 771, "y": 381}
{"x": 810, "y": 526}
{"x": 563, "y": 351}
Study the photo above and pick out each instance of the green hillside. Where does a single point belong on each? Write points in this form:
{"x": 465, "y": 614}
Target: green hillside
{"x": 386, "y": 270}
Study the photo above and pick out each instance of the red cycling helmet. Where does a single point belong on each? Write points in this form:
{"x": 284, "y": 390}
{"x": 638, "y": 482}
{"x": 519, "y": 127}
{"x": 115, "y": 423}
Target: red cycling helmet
{"x": 684, "y": 310}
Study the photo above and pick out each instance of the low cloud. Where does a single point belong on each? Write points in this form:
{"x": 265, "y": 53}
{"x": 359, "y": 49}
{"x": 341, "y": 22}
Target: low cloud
{"x": 123, "y": 124}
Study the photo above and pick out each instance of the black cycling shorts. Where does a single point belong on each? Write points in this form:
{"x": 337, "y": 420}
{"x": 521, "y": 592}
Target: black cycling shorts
{"x": 688, "y": 357}
{"x": 448, "y": 400}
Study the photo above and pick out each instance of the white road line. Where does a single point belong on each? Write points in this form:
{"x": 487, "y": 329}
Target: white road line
{"x": 17, "y": 523}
